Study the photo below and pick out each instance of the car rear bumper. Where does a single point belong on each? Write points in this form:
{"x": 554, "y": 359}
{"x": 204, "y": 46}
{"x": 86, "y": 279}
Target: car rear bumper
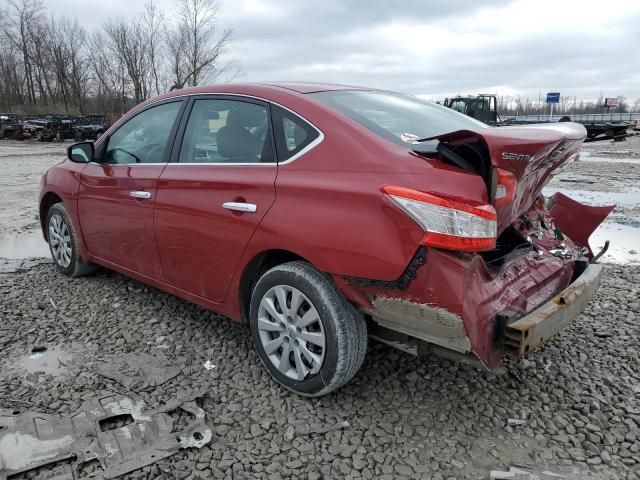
{"x": 455, "y": 302}
{"x": 538, "y": 326}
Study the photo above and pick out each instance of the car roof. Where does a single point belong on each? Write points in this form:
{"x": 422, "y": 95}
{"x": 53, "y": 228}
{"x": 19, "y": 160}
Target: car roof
{"x": 264, "y": 87}
{"x": 312, "y": 87}
{"x": 282, "y": 92}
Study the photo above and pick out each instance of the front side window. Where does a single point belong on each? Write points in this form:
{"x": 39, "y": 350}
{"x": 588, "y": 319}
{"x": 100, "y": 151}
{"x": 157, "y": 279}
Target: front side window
{"x": 293, "y": 134}
{"x": 227, "y": 131}
{"x": 143, "y": 138}
{"x": 399, "y": 118}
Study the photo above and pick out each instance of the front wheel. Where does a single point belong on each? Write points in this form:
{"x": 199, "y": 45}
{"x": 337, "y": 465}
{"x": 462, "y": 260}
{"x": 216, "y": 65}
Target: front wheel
{"x": 63, "y": 243}
{"x": 309, "y": 338}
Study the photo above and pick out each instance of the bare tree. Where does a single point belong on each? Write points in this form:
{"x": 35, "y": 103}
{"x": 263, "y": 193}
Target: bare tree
{"x": 109, "y": 86}
{"x": 49, "y": 64}
{"x": 154, "y": 27}
{"x": 195, "y": 49}
{"x": 127, "y": 44}
{"x": 67, "y": 42}
{"x": 22, "y": 17}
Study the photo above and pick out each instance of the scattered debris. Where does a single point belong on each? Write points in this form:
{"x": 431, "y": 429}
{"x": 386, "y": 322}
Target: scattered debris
{"x": 519, "y": 473}
{"x": 17, "y": 265}
{"x": 513, "y": 473}
{"x": 137, "y": 371}
{"x": 516, "y": 422}
{"x": 209, "y": 365}
{"x": 290, "y": 433}
{"x": 577, "y": 180}
{"x": 113, "y": 435}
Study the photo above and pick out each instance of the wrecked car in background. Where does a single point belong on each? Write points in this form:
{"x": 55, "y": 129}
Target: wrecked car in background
{"x": 90, "y": 127}
{"x": 322, "y": 214}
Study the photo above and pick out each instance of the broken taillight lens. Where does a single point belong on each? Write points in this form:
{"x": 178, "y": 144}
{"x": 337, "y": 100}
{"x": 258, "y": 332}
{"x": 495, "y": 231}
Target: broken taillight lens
{"x": 504, "y": 187}
{"x": 447, "y": 223}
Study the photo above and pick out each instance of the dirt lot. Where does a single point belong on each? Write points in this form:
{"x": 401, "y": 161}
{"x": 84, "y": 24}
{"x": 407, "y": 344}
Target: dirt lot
{"x": 576, "y": 401}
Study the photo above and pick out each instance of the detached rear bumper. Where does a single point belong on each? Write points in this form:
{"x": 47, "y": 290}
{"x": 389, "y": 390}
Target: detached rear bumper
{"x": 538, "y": 326}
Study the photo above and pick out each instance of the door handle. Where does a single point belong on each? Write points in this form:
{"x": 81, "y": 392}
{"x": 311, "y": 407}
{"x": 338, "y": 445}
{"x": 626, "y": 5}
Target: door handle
{"x": 240, "y": 206}
{"x": 140, "y": 194}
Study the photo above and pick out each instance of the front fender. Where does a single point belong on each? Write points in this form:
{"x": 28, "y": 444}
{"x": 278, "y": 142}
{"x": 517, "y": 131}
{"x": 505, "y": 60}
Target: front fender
{"x": 63, "y": 181}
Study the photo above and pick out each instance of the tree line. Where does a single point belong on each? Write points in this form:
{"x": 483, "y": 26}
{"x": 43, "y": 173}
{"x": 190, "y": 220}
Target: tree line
{"x": 513, "y": 105}
{"x": 52, "y": 63}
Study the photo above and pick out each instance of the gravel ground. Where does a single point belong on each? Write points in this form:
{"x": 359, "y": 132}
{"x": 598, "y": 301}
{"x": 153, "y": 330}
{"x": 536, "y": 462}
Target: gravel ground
{"x": 405, "y": 417}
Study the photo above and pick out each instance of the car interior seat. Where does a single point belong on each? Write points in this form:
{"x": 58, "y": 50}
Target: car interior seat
{"x": 235, "y": 141}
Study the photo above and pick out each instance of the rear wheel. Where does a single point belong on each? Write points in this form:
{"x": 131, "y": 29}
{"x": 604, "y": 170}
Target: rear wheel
{"x": 63, "y": 243}
{"x": 309, "y": 338}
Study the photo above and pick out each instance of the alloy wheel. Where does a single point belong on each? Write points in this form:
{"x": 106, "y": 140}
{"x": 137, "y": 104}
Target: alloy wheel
{"x": 60, "y": 240}
{"x": 291, "y": 332}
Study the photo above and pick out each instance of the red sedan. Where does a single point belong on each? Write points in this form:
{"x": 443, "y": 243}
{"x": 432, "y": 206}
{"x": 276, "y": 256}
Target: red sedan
{"x": 323, "y": 214}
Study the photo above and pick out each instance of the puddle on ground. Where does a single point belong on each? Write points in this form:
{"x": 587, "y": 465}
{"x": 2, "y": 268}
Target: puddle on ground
{"x": 20, "y": 245}
{"x": 629, "y": 198}
{"x": 624, "y": 242}
{"x": 46, "y": 360}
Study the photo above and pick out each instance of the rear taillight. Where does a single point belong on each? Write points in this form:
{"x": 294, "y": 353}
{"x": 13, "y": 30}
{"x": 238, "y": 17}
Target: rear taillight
{"x": 504, "y": 187}
{"x": 447, "y": 223}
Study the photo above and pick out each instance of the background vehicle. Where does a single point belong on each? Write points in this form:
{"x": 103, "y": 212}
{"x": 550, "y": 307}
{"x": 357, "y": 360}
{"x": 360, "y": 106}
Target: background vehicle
{"x": 320, "y": 214}
{"x": 484, "y": 107}
{"x": 90, "y": 127}
{"x": 9, "y": 125}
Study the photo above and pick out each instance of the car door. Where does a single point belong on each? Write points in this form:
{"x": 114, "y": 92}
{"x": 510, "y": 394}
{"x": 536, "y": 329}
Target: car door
{"x": 214, "y": 193}
{"x": 117, "y": 191}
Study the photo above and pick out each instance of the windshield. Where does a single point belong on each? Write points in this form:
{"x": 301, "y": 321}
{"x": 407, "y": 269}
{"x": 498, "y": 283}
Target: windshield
{"x": 403, "y": 119}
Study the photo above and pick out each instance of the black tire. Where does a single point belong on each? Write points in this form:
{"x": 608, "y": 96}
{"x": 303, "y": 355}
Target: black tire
{"x": 76, "y": 267}
{"x": 344, "y": 329}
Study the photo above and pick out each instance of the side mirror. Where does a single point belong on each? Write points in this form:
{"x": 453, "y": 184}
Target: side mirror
{"x": 80, "y": 152}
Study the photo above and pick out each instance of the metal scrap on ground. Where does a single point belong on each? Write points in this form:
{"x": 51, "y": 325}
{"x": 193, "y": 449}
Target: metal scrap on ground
{"x": 114, "y": 434}
{"x": 137, "y": 370}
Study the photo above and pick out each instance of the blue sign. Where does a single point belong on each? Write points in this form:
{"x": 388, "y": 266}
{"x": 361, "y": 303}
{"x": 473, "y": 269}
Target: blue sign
{"x": 553, "y": 97}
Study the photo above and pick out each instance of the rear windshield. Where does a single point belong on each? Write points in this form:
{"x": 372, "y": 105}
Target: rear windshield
{"x": 397, "y": 117}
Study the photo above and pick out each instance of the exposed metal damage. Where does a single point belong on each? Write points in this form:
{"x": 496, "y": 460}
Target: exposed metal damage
{"x": 426, "y": 322}
{"x": 534, "y": 329}
{"x": 115, "y": 433}
{"x": 510, "y": 299}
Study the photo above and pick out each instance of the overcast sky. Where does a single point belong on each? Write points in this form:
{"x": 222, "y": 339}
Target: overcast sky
{"x": 435, "y": 48}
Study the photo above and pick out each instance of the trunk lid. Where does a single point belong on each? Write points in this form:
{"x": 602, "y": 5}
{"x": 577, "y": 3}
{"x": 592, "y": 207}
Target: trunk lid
{"x": 532, "y": 153}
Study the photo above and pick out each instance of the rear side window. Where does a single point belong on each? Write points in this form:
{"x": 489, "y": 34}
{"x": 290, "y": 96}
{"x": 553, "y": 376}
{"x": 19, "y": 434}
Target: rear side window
{"x": 399, "y": 118}
{"x": 292, "y": 133}
{"x": 227, "y": 131}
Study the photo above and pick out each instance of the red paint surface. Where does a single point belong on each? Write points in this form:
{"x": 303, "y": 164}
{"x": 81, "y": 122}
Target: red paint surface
{"x": 115, "y": 226}
{"x": 326, "y": 207}
{"x": 201, "y": 243}
{"x": 565, "y": 212}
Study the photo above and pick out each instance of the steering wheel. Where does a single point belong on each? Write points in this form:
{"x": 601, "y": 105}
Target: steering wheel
{"x": 115, "y": 151}
{"x": 152, "y": 150}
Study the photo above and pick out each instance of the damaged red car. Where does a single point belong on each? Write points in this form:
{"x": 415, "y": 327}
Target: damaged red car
{"x": 323, "y": 215}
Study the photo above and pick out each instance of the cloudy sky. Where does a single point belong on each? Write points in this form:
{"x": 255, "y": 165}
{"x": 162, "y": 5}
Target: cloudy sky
{"x": 431, "y": 47}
